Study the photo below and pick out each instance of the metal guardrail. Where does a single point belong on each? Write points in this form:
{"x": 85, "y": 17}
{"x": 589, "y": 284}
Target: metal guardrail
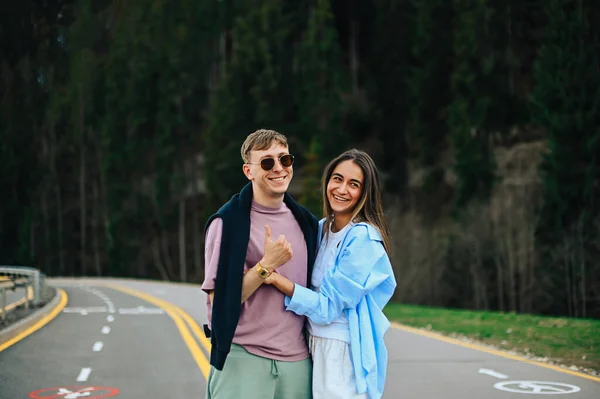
{"x": 17, "y": 277}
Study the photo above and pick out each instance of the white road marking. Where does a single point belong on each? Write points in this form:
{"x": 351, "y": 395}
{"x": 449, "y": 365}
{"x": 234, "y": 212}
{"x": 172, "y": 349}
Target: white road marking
{"x": 84, "y": 374}
{"x": 141, "y": 310}
{"x": 68, "y": 394}
{"x": 101, "y": 295}
{"x": 537, "y": 387}
{"x": 86, "y": 311}
{"x": 492, "y": 373}
{"x": 105, "y": 330}
{"x": 98, "y": 346}
{"x": 102, "y": 309}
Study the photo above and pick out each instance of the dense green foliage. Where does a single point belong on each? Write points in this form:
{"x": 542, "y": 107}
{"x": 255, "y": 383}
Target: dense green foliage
{"x": 121, "y": 125}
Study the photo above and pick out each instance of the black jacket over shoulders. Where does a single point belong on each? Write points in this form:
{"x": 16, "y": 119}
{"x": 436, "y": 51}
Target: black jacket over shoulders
{"x": 232, "y": 256}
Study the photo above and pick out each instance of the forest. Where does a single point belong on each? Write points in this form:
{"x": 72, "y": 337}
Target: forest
{"x": 121, "y": 124}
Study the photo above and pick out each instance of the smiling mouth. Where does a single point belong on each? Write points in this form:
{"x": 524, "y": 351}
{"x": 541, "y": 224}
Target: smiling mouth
{"x": 278, "y": 179}
{"x": 340, "y": 198}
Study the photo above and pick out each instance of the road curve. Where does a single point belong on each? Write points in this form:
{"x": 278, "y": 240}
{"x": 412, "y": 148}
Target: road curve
{"x": 138, "y": 339}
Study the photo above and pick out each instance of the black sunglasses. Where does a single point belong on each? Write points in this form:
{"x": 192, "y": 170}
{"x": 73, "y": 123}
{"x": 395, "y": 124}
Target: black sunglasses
{"x": 269, "y": 163}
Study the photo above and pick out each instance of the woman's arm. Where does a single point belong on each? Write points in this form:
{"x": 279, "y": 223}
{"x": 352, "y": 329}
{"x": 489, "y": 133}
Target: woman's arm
{"x": 280, "y": 282}
{"x": 342, "y": 287}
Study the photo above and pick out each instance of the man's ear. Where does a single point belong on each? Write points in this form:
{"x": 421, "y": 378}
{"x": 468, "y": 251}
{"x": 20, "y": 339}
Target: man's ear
{"x": 247, "y": 172}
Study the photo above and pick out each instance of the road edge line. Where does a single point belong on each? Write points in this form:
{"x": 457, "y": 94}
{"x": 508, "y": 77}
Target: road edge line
{"x": 176, "y": 315}
{"x": 30, "y": 324}
{"x": 490, "y": 351}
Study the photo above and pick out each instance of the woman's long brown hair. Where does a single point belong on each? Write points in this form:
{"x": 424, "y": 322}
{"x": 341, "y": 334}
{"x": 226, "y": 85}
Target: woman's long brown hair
{"x": 369, "y": 208}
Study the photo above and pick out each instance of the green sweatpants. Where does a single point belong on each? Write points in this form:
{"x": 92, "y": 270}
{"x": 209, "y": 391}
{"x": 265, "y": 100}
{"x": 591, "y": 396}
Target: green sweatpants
{"x": 247, "y": 376}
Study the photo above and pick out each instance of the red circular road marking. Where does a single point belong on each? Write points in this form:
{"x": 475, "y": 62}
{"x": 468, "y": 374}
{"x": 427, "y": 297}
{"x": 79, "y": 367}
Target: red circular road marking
{"x": 81, "y": 391}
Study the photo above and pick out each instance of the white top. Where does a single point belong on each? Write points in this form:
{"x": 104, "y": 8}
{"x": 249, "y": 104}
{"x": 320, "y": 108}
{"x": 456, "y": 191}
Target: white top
{"x": 325, "y": 260}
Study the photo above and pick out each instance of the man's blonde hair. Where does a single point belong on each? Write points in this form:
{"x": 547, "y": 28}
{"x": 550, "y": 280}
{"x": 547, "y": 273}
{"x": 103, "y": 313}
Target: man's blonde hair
{"x": 261, "y": 139}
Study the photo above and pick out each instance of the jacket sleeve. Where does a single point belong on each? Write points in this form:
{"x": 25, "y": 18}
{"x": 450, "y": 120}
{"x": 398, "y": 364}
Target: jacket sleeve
{"x": 345, "y": 284}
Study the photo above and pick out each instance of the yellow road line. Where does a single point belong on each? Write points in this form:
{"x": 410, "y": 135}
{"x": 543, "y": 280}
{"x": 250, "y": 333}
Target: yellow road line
{"x": 42, "y": 322}
{"x": 491, "y": 351}
{"x": 198, "y": 332}
{"x": 177, "y": 315}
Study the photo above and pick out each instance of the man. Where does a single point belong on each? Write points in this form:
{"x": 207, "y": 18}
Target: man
{"x": 258, "y": 349}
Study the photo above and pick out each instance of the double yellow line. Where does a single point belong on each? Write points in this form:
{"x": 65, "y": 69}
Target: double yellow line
{"x": 183, "y": 321}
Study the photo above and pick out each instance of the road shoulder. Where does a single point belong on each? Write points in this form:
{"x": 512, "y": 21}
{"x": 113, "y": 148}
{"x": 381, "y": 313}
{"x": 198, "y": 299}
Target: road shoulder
{"x": 34, "y": 321}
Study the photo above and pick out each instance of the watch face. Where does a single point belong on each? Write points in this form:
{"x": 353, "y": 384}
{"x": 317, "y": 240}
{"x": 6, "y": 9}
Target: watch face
{"x": 264, "y": 273}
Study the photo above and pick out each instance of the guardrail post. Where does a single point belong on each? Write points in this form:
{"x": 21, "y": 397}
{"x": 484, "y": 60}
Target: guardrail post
{"x": 36, "y": 289}
{"x": 3, "y": 303}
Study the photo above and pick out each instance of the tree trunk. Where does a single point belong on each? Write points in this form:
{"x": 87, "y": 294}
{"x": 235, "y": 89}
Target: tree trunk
{"x": 82, "y": 198}
{"x": 59, "y": 231}
{"x": 354, "y": 56}
{"x": 32, "y": 250}
{"x": 47, "y": 233}
{"x": 196, "y": 236}
{"x": 500, "y": 284}
{"x": 59, "y": 212}
{"x": 512, "y": 289}
{"x": 157, "y": 261}
{"x": 164, "y": 242}
{"x": 182, "y": 251}
{"x": 95, "y": 227}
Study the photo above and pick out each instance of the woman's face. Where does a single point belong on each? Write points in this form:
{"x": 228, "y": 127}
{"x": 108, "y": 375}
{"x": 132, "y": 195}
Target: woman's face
{"x": 345, "y": 187}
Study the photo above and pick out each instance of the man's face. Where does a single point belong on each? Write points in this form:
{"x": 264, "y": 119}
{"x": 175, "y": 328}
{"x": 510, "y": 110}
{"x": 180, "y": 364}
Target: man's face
{"x": 270, "y": 183}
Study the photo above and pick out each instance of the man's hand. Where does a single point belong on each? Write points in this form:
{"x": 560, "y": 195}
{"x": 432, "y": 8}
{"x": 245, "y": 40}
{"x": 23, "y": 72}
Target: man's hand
{"x": 277, "y": 252}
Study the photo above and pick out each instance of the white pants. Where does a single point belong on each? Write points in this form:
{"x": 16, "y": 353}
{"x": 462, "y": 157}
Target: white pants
{"x": 333, "y": 372}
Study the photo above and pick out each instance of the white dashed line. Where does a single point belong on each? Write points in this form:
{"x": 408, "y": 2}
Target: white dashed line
{"x": 98, "y": 347}
{"x": 84, "y": 374}
{"x": 101, "y": 295}
{"x": 110, "y": 318}
{"x": 105, "y": 330}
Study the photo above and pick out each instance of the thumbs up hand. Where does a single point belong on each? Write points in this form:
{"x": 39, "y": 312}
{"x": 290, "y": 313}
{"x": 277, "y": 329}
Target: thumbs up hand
{"x": 277, "y": 252}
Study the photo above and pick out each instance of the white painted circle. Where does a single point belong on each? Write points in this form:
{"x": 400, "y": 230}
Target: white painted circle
{"x": 537, "y": 387}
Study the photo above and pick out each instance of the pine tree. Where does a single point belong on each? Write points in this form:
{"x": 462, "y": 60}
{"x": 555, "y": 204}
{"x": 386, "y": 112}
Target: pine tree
{"x": 429, "y": 85}
{"x": 388, "y": 67}
{"x": 481, "y": 104}
{"x": 319, "y": 82}
{"x": 566, "y": 103}
{"x": 251, "y": 95}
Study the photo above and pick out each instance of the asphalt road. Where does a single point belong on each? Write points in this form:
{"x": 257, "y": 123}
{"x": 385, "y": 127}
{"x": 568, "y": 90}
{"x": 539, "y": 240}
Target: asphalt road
{"x": 142, "y": 339}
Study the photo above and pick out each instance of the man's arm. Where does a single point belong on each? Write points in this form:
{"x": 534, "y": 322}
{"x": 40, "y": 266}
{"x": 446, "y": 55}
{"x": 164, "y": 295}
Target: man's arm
{"x": 250, "y": 284}
{"x": 252, "y": 280}
{"x": 212, "y": 247}
{"x": 276, "y": 254}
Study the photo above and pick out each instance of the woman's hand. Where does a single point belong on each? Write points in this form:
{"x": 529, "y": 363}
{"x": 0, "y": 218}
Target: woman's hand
{"x": 280, "y": 282}
{"x": 272, "y": 279}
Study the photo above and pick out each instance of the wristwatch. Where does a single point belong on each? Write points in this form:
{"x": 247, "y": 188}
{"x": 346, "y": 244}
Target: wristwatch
{"x": 262, "y": 272}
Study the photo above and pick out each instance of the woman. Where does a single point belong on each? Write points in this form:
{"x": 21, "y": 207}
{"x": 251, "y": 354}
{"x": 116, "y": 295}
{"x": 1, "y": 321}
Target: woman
{"x": 352, "y": 280}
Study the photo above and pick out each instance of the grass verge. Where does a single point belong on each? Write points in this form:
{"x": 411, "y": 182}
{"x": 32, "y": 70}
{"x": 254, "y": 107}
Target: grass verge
{"x": 561, "y": 340}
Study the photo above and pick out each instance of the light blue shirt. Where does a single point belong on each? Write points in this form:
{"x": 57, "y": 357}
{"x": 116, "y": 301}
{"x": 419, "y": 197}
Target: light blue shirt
{"x": 328, "y": 251}
{"x": 360, "y": 283}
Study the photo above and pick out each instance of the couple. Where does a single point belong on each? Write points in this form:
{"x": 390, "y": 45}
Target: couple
{"x": 271, "y": 267}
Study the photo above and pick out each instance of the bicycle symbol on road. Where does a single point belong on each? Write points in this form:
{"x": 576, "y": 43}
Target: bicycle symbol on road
{"x": 537, "y": 387}
{"x": 74, "y": 392}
